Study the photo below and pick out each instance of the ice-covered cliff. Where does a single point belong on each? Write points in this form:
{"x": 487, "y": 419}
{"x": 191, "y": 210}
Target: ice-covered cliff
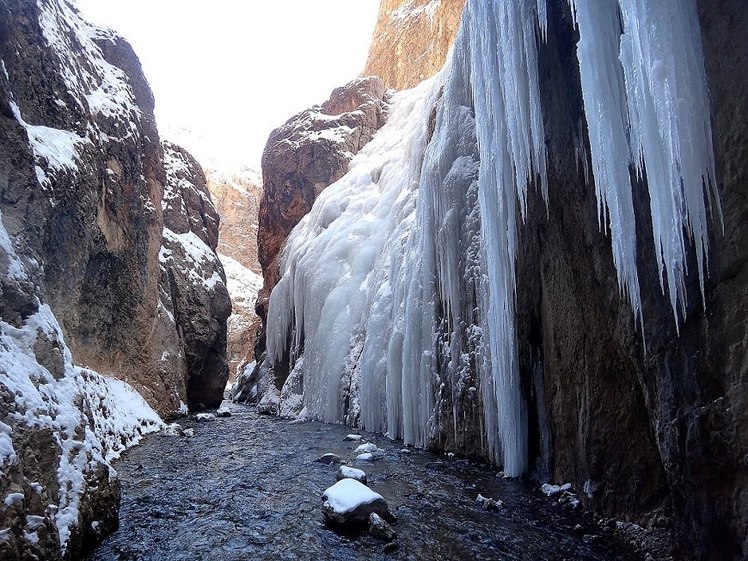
{"x": 462, "y": 288}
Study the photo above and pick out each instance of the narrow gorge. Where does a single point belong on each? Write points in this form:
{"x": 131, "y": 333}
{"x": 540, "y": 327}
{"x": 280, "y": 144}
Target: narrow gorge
{"x": 495, "y": 286}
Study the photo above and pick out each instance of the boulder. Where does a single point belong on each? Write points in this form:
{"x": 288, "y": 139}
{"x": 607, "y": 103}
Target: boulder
{"x": 348, "y": 505}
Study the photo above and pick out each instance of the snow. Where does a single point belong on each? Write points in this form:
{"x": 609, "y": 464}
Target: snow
{"x": 353, "y": 437}
{"x": 348, "y": 494}
{"x": 352, "y": 473}
{"x": 13, "y": 498}
{"x": 366, "y": 457}
{"x": 369, "y": 447}
{"x": 93, "y": 419}
{"x": 549, "y": 490}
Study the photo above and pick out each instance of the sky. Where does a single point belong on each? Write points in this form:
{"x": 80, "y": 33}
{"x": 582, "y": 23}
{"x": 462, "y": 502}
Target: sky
{"x": 225, "y": 72}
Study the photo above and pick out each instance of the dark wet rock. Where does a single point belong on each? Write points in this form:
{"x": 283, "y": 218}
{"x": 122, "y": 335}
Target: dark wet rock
{"x": 330, "y": 459}
{"x": 223, "y": 412}
{"x": 381, "y": 529}
{"x": 390, "y": 547}
{"x": 348, "y": 505}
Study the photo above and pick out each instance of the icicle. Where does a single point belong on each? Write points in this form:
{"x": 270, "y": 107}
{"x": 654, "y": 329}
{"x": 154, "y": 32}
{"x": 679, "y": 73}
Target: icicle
{"x": 659, "y": 122}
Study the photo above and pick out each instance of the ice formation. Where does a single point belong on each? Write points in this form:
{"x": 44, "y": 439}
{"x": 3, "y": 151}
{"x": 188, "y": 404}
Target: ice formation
{"x": 646, "y": 101}
{"x": 399, "y": 287}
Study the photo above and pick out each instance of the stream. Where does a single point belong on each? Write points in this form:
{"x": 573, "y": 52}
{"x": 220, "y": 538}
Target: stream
{"x": 248, "y": 487}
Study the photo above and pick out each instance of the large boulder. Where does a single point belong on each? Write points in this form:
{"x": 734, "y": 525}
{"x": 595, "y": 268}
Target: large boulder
{"x": 348, "y": 504}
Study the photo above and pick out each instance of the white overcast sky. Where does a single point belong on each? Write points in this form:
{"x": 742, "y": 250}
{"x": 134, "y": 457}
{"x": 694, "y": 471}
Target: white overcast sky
{"x": 230, "y": 71}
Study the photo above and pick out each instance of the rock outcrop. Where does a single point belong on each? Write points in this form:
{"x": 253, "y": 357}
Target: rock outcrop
{"x": 308, "y": 153}
{"x": 82, "y": 292}
{"x": 411, "y": 40}
{"x": 236, "y": 196}
{"x": 193, "y": 282}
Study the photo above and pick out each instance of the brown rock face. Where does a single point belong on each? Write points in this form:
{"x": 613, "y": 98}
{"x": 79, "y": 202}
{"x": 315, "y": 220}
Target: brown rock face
{"x": 307, "y": 154}
{"x": 411, "y": 40}
{"x": 236, "y": 197}
{"x": 193, "y": 277}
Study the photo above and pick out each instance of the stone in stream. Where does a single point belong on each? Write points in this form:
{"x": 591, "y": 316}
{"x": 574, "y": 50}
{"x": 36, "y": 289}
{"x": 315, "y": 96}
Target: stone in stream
{"x": 487, "y": 503}
{"x": 223, "y": 412}
{"x": 205, "y": 417}
{"x": 329, "y": 459}
{"x": 380, "y": 529}
{"x": 348, "y": 505}
{"x": 347, "y": 472}
{"x": 353, "y": 437}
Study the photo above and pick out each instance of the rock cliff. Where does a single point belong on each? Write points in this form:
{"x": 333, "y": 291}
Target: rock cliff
{"x": 84, "y": 297}
{"x": 411, "y": 40}
{"x": 193, "y": 282}
{"x": 237, "y": 199}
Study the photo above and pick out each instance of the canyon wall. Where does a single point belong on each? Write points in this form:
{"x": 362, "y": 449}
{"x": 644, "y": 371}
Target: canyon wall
{"x": 411, "y": 40}
{"x": 86, "y": 298}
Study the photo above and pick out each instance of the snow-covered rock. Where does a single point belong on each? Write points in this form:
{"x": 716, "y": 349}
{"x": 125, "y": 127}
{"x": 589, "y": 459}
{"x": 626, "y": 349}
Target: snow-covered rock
{"x": 353, "y": 437}
{"x": 347, "y": 472}
{"x": 487, "y": 503}
{"x": 368, "y": 447}
{"x": 223, "y": 412}
{"x": 349, "y": 503}
{"x": 205, "y": 417}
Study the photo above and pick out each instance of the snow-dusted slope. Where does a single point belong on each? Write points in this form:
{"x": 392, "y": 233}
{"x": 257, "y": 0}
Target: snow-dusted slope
{"x": 86, "y": 421}
{"x": 399, "y": 287}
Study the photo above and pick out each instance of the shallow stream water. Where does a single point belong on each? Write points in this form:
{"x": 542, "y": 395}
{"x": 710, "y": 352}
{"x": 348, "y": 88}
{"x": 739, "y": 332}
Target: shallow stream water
{"x": 248, "y": 487}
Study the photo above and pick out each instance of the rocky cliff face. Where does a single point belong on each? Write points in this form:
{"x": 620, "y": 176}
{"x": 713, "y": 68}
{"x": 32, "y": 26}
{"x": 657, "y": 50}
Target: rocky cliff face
{"x": 304, "y": 156}
{"x": 193, "y": 282}
{"x": 237, "y": 199}
{"x": 406, "y": 331}
{"x": 411, "y": 40}
{"x": 83, "y": 294}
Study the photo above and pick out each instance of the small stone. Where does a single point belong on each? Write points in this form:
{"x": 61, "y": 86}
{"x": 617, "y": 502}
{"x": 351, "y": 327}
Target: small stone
{"x": 347, "y": 472}
{"x": 380, "y": 529}
{"x": 205, "y": 417}
{"x": 353, "y": 437}
{"x": 223, "y": 412}
{"x": 329, "y": 459}
{"x": 366, "y": 448}
{"x": 390, "y": 547}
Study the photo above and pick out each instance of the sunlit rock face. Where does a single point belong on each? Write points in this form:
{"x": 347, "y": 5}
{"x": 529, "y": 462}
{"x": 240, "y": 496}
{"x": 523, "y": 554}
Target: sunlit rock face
{"x": 510, "y": 271}
{"x": 411, "y": 40}
{"x": 307, "y": 154}
{"x": 236, "y": 195}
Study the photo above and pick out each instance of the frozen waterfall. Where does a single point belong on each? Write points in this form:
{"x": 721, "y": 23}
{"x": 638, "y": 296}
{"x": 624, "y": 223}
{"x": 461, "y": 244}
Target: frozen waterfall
{"x": 399, "y": 287}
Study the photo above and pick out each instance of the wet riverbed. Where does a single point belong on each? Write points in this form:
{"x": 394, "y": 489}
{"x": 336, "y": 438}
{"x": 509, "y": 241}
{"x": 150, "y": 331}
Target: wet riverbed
{"x": 247, "y": 487}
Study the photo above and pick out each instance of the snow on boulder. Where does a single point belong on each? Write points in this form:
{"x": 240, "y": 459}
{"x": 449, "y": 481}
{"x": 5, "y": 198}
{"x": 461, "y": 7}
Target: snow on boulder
{"x": 349, "y": 503}
{"x": 368, "y": 447}
{"x": 347, "y": 472}
{"x": 353, "y": 437}
{"x": 205, "y": 417}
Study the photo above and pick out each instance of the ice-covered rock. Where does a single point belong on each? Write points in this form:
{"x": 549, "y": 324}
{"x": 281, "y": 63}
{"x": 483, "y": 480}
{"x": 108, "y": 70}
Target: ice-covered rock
{"x": 348, "y": 504}
{"x": 368, "y": 447}
{"x": 347, "y": 472}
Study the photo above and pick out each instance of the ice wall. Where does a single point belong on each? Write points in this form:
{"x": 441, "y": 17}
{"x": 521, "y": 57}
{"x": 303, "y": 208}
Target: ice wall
{"x": 399, "y": 286}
